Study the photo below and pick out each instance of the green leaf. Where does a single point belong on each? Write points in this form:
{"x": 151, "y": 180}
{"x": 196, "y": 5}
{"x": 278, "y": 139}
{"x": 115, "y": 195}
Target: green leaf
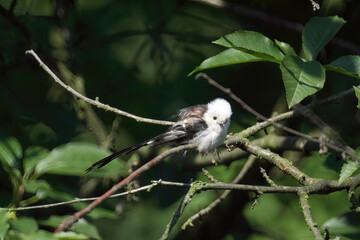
{"x": 347, "y": 170}
{"x": 318, "y": 32}
{"x": 82, "y": 226}
{"x": 253, "y": 41}
{"x": 286, "y": 48}
{"x": 39, "y": 187}
{"x": 70, "y": 236}
{"x": 301, "y": 79}
{"x": 75, "y": 158}
{"x": 10, "y": 151}
{"x": 32, "y": 156}
{"x": 24, "y": 225}
{"x": 41, "y": 235}
{"x": 348, "y": 223}
{"x": 227, "y": 57}
{"x": 40, "y": 134}
{"x": 357, "y": 93}
{"x": 347, "y": 65}
{"x": 4, "y": 225}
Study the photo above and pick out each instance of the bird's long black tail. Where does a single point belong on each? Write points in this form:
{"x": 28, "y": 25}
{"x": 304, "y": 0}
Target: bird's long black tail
{"x": 108, "y": 159}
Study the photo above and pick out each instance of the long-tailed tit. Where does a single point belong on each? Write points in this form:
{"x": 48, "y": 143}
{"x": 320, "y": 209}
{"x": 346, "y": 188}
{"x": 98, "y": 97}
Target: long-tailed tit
{"x": 205, "y": 126}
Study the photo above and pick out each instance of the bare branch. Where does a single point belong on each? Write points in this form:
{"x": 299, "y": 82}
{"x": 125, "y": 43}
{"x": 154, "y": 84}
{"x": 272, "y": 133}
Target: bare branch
{"x": 209, "y": 176}
{"x": 183, "y": 203}
{"x": 223, "y": 196}
{"x": 260, "y": 126}
{"x": 267, "y": 178}
{"x": 282, "y": 163}
{"x": 96, "y": 101}
{"x": 321, "y": 186}
{"x": 274, "y": 123}
{"x": 66, "y": 224}
{"x": 304, "y": 203}
{"x": 77, "y": 200}
{"x": 272, "y": 142}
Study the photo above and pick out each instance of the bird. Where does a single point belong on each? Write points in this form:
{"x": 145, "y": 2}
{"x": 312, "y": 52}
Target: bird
{"x": 203, "y": 125}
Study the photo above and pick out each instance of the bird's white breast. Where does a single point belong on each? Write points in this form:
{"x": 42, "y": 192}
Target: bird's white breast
{"x": 211, "y": 138}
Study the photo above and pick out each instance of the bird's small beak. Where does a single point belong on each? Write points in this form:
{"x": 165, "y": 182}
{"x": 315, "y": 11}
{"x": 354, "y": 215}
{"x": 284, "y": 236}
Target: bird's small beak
{"x": 223, "y": 123}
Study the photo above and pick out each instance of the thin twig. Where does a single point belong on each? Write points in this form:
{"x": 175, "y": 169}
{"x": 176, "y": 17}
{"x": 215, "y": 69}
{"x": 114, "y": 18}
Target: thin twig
{"x": 223, "y": 196}
{"x": 91, "y": 101}
{"x": 282, "y": 163}
{"x": 262, "y": 125}
{"x": 77, "y": 200}
{"x": 183, "y": 203}
{"x": 267, "y": 178}
{"x": 276, "y": 124}
{"x": 272, "y": 142}
{"x": 209, "y": 176}
{"x": 66, "y": 224}
{"x": 304, "y": 203}
{"x": 319, "y": 187}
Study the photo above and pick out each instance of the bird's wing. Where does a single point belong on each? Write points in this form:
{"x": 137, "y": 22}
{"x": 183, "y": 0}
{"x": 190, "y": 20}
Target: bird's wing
{"x": 196, "y": 111}
{"x": 189, "y": 124}
{"x": 182, "y": 132}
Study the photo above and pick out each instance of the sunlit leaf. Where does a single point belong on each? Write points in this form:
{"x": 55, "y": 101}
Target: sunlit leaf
{"x": 70, "y": 236}
{"x": 347, "y": 65}
{"x": 301, "y": 79}
{"x": 286, "y": 48}
{"x": 4, "y": 225}
{"x": 253, "y": 41}
{"x": 227, "y": 57}
{"x": 318, "y": 32}
{"x": 74, "y": 158}
{"x": 347, "y": 170}
{"x": 357, "y": 93}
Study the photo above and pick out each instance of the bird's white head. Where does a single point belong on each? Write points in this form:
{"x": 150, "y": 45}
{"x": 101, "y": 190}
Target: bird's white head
{"x": 218, "y": 112}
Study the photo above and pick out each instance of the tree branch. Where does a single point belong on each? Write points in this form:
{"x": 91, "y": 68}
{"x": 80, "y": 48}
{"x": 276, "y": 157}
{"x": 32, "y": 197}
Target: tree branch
{"x": 183, "y": 203}
{"x": 282, "y": 163}
{"x": 321, "y": 186}
{"x": 272, "y": 142}
{"x": 228, "y": 91}
{"x": 96, "y": 101}
{"x": 77, "y": 200}
{"x": 304, "y": 203}
{"x": 223, "y": 196}
{"x": 66, "y": 224}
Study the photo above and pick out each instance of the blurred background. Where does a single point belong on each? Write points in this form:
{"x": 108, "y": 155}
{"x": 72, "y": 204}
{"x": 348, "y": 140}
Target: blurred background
{"x": 136, "y": 56}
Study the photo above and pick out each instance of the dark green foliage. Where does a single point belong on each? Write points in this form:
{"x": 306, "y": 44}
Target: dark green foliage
{"x": 136, "y": 56}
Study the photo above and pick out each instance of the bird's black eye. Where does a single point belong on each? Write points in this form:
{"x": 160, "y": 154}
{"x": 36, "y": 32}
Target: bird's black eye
{"x": 214, "y": 117}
